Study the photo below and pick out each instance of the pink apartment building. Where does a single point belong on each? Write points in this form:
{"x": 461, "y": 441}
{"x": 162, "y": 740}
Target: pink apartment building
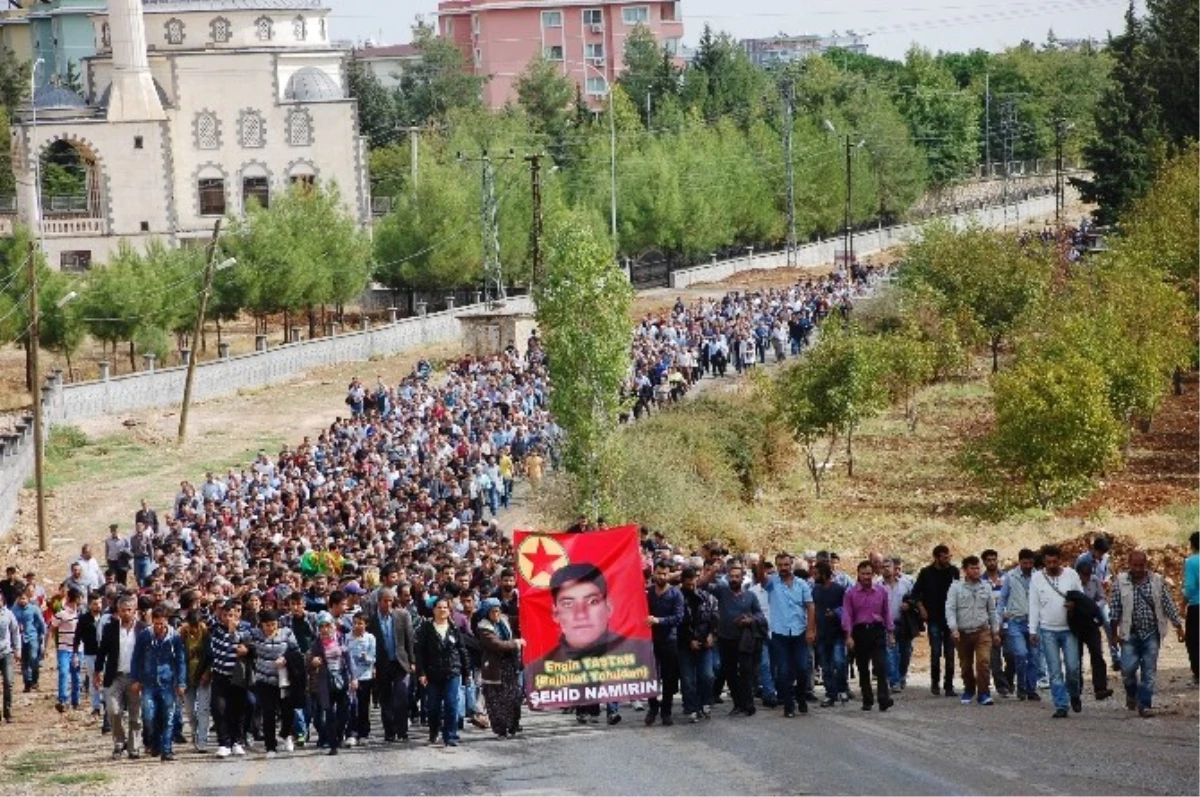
{"x": 500, "y": 37}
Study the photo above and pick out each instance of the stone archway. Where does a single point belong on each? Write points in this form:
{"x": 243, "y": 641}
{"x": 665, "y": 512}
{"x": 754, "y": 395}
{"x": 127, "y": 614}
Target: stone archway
{"x": 73, "y": 182}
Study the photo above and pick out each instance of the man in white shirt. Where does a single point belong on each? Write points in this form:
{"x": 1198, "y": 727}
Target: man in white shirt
{"x": 1048, "y": 628}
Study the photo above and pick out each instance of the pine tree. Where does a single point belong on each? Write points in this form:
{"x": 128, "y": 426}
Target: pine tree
{"x": 1123, "y": 155}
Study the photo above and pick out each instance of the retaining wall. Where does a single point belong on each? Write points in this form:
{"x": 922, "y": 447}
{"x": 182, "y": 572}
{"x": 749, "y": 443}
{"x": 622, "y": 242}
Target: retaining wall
{"x": 824, "y": 252}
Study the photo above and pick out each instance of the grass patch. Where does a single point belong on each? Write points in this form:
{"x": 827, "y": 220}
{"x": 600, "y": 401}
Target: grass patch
{"x": 107, "y": 458}
{"x": 32, "y": 763}
{"x": 79, "y": 778}
{"x": 64, "y": 441}
{"x": 1186, "y": 515}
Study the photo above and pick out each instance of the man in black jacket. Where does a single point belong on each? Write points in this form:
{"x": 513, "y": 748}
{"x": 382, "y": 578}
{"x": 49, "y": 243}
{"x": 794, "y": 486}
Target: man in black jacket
{"x": 933, "y": 584}
{"x": 87, "y": 641}
{"x": 394, "y": 659}
{"x": 114, "y": 669}
{"x": 696, "y": 636}
{"x": 666, "y": 615}
{"x": 1086, "y": 621}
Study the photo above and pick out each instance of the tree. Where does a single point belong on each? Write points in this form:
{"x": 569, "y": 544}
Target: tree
{"x": 1054, "y": 430}
{"x": 583, "y": 304}
{"x": 438, "y": 81}
{"x": 908, "y": 366}
{"x": 430, "y": 240}
{"x": 988, "y": 274}
{"x": 829, "y": 392}
{"x": 649, "y": 74}
{"x": 303, "y": 251}
{"x": 376, "y": 105}
{"x": 723, "y": 82}
{"x": 942, "y": 119}
{"x": 545, "y": 95}
{"x": 1173, "y": 51}
{"x": 1127, "y": 146}
{"x": 14, "y": 80}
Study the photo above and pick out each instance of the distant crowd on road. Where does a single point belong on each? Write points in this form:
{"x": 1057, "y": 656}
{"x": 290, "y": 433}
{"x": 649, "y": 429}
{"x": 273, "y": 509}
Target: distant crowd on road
{"x": 673, "y": 350}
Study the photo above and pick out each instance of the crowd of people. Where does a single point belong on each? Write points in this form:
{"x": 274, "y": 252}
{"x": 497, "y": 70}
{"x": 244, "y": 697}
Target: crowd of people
{"x": 278, "y": 605}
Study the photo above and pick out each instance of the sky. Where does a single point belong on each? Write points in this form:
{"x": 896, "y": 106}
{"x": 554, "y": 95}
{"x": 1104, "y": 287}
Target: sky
{"x": 891, "y": 25}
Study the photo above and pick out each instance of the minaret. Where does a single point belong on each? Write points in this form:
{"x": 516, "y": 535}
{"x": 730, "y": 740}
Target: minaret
{"x": 133, "y": 97}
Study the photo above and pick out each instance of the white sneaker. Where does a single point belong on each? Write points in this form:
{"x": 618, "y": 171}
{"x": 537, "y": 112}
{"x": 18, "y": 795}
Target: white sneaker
{"x": 351, "y": 741}
{"x": 239, "y": 750}
{"x": 288, "y": 745}
{"x": 270, "y": 754}
{"x": 222, "y": 752}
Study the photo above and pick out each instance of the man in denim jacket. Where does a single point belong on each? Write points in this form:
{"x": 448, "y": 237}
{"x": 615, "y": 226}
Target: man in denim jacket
{"x": 160, "y": 677}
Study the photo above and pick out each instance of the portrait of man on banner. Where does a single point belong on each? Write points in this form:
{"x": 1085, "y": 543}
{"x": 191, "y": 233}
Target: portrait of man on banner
{"x": 583, "y": 610}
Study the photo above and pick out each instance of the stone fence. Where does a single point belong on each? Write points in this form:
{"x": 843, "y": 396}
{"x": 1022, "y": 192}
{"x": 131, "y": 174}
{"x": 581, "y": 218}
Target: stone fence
{"x": 865, "y": 242}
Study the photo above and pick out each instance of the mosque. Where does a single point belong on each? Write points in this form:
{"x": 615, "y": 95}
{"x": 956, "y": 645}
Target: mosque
{"x": 190, "y": 109}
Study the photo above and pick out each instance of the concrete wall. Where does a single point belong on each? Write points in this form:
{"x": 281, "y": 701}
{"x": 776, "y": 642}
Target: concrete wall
{"x": 824, "y": 252}
{"x": 164, "y": 388}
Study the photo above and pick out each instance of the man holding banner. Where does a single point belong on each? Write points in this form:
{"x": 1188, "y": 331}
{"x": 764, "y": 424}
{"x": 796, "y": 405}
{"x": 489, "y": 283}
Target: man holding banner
{"x": 583, "y": 613}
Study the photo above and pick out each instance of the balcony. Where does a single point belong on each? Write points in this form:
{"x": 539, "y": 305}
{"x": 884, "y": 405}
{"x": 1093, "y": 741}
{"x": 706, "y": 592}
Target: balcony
{"x": 74, "y": 227}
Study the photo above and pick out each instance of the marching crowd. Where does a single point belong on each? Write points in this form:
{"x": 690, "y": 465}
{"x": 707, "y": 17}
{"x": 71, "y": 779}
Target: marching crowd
{"x": 275, "y": 606}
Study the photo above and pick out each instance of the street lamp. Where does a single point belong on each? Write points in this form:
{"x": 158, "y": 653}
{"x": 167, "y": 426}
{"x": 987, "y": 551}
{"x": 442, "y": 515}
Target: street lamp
{"x": 849, "y": 234}
{"x": 612, "y": 132}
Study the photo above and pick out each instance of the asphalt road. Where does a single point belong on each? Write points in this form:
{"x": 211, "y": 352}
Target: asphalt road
{"x": 923, "y": 745}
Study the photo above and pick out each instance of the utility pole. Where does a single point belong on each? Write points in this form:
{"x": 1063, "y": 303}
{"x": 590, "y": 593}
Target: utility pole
{"x": 987, "y": 123}
{"x": 849, "y": 233}
{"x": 414, "y": 141}
{"x": 1060, "y": 198}
{"x": 197, "y": 330}
{"x": 791, "y": 175}
{"x": 493, "y": 275}
{"x": 1008, "y": 125}
{"x": 535, "y": 176}
{"x": 35, "y": 367}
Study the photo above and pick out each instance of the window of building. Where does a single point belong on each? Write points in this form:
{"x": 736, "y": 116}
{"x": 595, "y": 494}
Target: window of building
{"x": 78, "y": 260}
{"x": 256, "y": 189}
{"x": 593, "y": 52}
{"x": 174, "y": 29}
{"x": 138, "y": 142}
{"x": 265, "y": 28}
{"x": 670, "y": 12}
{"x": 553, "y": 53}
{"x": 207, "y": 131}
{"x": 593, "y": 17}
{"x": 303, "y": 181}
{"x": 597, "y": 86}
{"x": 449, "y": 27}
{"x": 551, "y": 19}
{"x": 299, "y": 128}
{"x": 475, "y": 24}
{"x": 635, "y": 15}
{"x": 106, "y": 36}
{"x": 478, "y": 58}
{"x": 252, "y": 129}
{"x": 144, "y": 226}
{"x": 220, "y": 30}
{"x": 212, "y": 196}
{"x": 671, "y": 45}
{"x": 299, "y": 28}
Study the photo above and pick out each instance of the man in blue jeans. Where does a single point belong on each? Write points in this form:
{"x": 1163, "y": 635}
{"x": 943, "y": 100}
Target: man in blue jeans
{"x": 1014, "y": 609}
{"x": 1143, "y": 610}
{"x": 1049, "y": 628}
{"x": 793, "y": 622}
{"x": 931, "y": 588}
{"x": 159, "y": 668}
{"x": 33, "y": 638}
{"x": 828, "y": 597}
{"x": 696, "y": 646}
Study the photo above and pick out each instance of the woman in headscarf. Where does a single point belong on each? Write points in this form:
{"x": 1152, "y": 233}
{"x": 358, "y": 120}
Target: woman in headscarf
{"x": 501, "y": 669}
{"x": 329, "y": 661}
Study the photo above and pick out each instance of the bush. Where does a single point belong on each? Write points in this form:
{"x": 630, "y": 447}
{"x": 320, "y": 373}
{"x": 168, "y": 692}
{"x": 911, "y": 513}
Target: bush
{"x": 64, "y": 441}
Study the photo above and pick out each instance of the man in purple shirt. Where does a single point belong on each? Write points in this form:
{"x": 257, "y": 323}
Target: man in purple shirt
{"x": 867, "y": 622}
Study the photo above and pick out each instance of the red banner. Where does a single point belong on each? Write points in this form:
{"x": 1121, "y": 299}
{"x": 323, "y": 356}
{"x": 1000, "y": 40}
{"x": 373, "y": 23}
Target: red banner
{"x": 583, "y": 617}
